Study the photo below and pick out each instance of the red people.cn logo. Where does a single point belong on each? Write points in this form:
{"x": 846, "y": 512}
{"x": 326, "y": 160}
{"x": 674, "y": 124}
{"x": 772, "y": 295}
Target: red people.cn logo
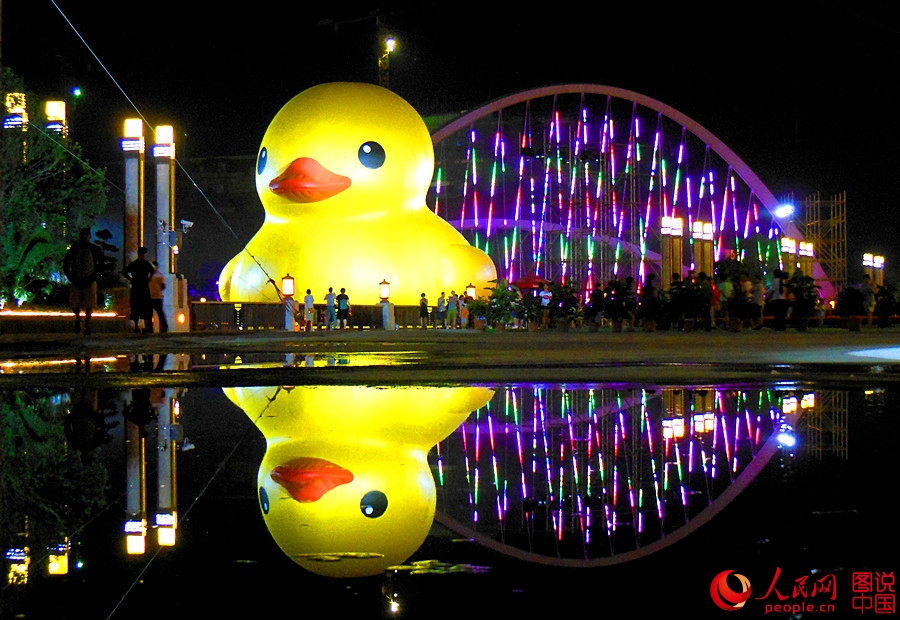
{"x": 722, "y": 594}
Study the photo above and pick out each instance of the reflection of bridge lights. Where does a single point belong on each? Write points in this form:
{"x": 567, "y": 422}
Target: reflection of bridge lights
{"x": 786, "y": 436}
{"x": 789, "y": 405}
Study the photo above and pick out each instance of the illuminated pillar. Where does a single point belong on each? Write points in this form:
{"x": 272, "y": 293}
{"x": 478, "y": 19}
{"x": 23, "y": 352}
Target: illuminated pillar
{"x": 806, "y": 253}
{"x": 166, "y": 518}
{"x": 874, "y": 268}
{"x": 702, "y": 235}
{"x": 175, "y": 301}
{"x": 788, "y": 255}
{"x": 164, "y": 154}
{"x": 132, "y": 145}
{"x": 135, "y": 493}
{"x": 55, "y": 111}
{"x": 671, "y": 249}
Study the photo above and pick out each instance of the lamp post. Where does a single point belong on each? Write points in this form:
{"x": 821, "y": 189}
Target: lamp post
{"x": 287, "y": 294}
{"x": 806, "y": 253}
{"x": 133, "y": 146}
{"x": 387, "y": 308}
{"x": 672, "y": 246}
{"x": 874, "y": 268}
{"x": 470, "y": 291}
{"x": 384, "y": 63}
{"x": 702, "y": 235}
{"x": 788, "y": 255}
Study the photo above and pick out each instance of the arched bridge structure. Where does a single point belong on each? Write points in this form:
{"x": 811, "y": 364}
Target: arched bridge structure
{"x": 572, "y": 182}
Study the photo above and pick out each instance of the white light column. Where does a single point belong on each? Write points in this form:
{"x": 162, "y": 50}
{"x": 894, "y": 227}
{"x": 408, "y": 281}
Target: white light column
{"x": 702, "y": 235}
{"x": 175, "y": 301}
{"x": 806, "y": 253}
{"x": 874, "y": 268}
{"x": 788, "y": 255}
{"x": 132, "y": 145}
{"x": 166, "y": 519}
{"x": 671, "y": 250}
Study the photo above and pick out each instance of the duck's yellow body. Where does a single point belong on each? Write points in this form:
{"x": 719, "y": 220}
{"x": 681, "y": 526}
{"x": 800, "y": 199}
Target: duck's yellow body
{"x": 345, "y": 487}
{"x": 342, "y": 173}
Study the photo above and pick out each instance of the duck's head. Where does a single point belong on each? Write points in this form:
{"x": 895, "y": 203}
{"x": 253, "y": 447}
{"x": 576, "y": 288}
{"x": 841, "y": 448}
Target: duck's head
{"x": 346, "y": 147}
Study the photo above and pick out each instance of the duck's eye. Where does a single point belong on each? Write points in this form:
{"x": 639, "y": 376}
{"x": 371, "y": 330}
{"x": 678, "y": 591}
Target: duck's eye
{"x": 261, "y": 160}
{"x": 371, "y": 155}
{"x": 264, "y": 500}
{"x": 373, "y": 504}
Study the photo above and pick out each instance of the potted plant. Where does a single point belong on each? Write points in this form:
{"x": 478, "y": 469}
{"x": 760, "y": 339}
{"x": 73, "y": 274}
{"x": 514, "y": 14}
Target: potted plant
{"x": 478, "y": 310}
{"x": 802, "y": 288}
{"x": 528, "y": 308}
{"x": 885, "y": 304}
{"x": 851, "y": 306}
{"x": 501, "y": 303}
{"x": 566, "y": 307}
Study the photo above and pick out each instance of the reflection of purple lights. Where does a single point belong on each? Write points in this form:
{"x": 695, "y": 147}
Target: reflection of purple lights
{"x": 587, "y": 480}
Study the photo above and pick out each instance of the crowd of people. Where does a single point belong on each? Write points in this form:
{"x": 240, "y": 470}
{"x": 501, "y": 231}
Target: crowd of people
{"x": 697, "y": 301}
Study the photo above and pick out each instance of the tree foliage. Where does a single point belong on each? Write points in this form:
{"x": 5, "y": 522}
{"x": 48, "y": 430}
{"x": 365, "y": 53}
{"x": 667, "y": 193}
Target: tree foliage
{"x": 47, "y": 192}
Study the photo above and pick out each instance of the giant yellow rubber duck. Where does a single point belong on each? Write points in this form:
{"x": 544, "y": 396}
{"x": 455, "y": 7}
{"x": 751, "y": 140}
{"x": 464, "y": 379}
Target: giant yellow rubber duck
{"x": 342, "y": 174}
{"x": 345, "y": 487}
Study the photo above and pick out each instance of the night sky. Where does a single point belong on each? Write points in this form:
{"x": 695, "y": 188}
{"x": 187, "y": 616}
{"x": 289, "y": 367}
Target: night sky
{"x": 803, "y": 92}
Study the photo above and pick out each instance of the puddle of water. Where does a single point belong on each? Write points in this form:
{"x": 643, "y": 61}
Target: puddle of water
{"x": 501, "y": 494}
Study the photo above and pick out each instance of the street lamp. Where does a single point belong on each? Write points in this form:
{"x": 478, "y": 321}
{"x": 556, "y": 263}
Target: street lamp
{"x": 384, "y": 63}
{"x": 287, "y": 286}
{"x": 470, "y": 291}
{"x": 384, "y": 290}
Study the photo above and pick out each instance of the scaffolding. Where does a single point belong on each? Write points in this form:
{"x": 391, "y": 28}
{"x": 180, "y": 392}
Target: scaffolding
{"x": 826, "y": 228}
{"x": 827, "y": 424}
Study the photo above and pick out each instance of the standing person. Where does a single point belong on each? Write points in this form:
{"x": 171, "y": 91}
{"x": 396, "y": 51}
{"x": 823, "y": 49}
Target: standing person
{"x": 705, "y": 299}
{"x": 778, "y": 301}
{"x": 157, "y": 286}
{"x": 452, "y": 309}
{"x": 139, "y": 272}
{"x": 309, "y": 310}
{"x": 868, "y": 298}
{"x": 758, "y": 301}
{"x": 423, "y": 312}
{"x": 464, "y": 312}
{"x": 330, "y": 314}
{"x": 441, "y": 311}
{"x": 343, "y": 312}
{"x": 82, "y": 264}
{"x": 546, "y": 296}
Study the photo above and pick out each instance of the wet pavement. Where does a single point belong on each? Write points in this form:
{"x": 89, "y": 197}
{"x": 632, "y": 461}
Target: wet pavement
{"x": 353, "y": 357}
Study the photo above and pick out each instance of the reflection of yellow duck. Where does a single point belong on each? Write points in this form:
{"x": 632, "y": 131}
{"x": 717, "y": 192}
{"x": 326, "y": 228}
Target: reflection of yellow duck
{"x": 345, "y": 487}
{"x": 342, "y": 174}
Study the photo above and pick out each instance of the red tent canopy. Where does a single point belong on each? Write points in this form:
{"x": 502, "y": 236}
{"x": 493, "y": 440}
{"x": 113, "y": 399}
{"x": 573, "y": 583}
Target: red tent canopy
{"x": 530, "y": 281}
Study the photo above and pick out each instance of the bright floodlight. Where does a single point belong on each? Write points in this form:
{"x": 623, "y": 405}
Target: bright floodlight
{"x": 390, "y": 44}
{"x": 785, "y": 210}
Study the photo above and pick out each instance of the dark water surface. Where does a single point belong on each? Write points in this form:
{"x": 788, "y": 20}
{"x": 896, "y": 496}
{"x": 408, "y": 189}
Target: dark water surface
{"x": 551, "y": 498}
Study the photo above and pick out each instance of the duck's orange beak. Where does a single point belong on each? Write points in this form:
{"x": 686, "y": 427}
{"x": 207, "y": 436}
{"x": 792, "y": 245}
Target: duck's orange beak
{"x": 306, "y": 180}
{"x": 308, "y": 479}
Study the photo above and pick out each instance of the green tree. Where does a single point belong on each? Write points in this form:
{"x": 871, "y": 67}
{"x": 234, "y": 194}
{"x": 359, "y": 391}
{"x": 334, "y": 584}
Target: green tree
{"x": 47, "y": 192}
